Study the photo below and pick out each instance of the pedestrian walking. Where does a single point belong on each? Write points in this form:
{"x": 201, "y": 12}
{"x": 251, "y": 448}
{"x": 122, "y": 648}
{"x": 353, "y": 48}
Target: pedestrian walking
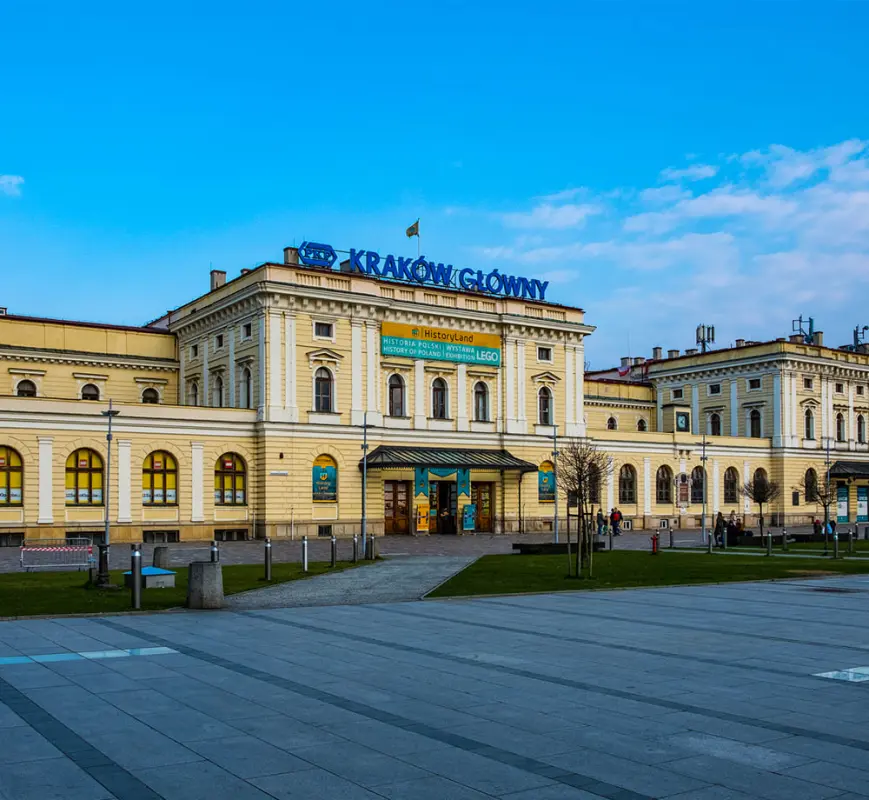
{"x": 601, "y": 522}
{"x": 719, "y": 530}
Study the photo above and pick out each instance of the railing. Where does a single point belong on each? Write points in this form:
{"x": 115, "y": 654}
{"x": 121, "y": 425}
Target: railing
{"x": 56, "y": 554}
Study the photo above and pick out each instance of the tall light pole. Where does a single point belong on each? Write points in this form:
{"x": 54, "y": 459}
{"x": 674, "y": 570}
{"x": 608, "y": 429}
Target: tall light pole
{"x": 103, "y": 549}
{"x": 364, "y": 477}
{"x": 829, "y": 493}
{"x": 555, "y": 477}
{"x": 703, "y": 460}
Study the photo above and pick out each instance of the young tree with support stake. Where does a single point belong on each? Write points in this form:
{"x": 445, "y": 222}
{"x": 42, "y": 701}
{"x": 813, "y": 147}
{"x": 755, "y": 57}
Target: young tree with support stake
{"x": 822, "y": 491}
{"x": 761, "y": 490}
{"x": 582, "y": 469}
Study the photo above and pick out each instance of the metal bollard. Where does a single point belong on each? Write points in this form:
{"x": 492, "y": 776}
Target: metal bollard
{"x": 215, "y": 551}
{"x": 769, "y": 543}
{"x": 136, "y": 570}
{"x": 710, "y": 537}
{"x": 268, "y": 559}
{"x": 610, "y": 530}
{"x": 850, "y": 542}
{"x": 372, "y": 547}
{"x": 784, "y": 539}
{"x": 355, "y": 548}
{"x": 671, "y": 539}
{"x": 835, "y": 544}
{"x": 304, "y": 554}
{"x": 334, "y": 550}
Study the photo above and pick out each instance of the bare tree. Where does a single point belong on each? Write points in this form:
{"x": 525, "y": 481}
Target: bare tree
{"x": 821, "y": 491}
{"x": 582, "y": 469}
{"x": 761, "y": 490}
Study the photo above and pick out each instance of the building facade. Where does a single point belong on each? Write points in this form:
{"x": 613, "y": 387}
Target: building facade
{"x": 244, "y": 412}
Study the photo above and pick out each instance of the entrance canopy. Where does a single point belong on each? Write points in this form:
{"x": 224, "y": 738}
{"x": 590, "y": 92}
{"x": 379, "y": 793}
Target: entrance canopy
{"x": 386, "y": 457}
{"x": 850, "y": 469}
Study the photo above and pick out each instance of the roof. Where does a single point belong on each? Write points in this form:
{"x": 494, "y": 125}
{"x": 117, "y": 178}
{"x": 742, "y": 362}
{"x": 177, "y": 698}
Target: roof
{"x": 386, "y": 457}
{"x": 850, "y": 469}
{"x": 80, "y": 324}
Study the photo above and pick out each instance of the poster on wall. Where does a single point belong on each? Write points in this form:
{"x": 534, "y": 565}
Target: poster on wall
{"x": 15, "y": 495}
{"x": 97, "y": 495}
{"x": 324, "y": 480}
{"x": 683, "y": 487}
{"x": 863, "y": 504}
{"x": 439, "y": 344}
{"x": 546, "y": 483}
{"x": 842, "y": 504}
{"x": 469, "y": 517}
{"x": 170, "y": 495}
{"x": 70, "y": 495}
{"x": 422, "y": 516}
{"x": 3, "y": 495}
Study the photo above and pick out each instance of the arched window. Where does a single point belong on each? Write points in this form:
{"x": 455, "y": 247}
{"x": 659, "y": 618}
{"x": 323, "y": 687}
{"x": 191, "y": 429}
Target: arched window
{"x": 611, "y": 424}
{"x": 481, "y": 402}
{"x": 861, "y": 429}
{"x": 754, "y": 423}
{"x": 811, "y": 486}
{"x": 760, "y": 475}
{"x": 396, "y": 396}
{"x": 324, "y": 480}
{"x": 731, "y": 485}
{"x": 11, "y": 477}
{"x": 26, "y": 388}
{"x": 664, "y": 485}
{"x": 90, "y": 392}
{"x": 546, "y": 482}
{"x": 439, "y": 398}
{"x": 160, "y": 479}
{"x": 544, "y": 406}
{"x": 698, "y": 485}
{"x": 323, "y": 390}
{"x": 84, "y": 478}
{"x": 150, "y": 396}
{"x": 246, "y": 388}
{"x": 627, "y": 484}
{"x": 810, "y": 424}
{"x": 641, "y": 425}
{"x": 593, "y": 484}
{"x": 230, "y": 479}
{"x": 194, "y": 394}
{"x": 715, "y": 425}
{"x": 217, "y": 391}
{"x": 840, "y": 427}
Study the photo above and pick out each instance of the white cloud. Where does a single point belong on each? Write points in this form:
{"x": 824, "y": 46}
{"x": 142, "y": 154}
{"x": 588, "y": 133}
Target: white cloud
{"x": 662, "y": 195}
{"x": 696, "y": 172}
{"x": 547, "y": 215}
{"x": 11, "y": 185}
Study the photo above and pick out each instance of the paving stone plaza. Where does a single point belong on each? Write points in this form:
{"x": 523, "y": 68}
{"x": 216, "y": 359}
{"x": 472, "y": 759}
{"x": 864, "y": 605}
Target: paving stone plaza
{"x": 695, "y": 693}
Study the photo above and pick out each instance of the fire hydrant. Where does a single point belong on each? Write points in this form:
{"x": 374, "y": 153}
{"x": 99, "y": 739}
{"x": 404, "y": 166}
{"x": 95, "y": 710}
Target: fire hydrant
{"x": 655, "y": 542}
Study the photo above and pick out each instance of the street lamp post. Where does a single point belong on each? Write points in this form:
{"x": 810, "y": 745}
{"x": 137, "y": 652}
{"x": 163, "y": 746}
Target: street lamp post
{"x": 364, "y": 477}
{"x": 829, "y": 497}
{"x": 103, "y": 549}
{"x": 703, "y": 459}
{"x": 555, "y": 477}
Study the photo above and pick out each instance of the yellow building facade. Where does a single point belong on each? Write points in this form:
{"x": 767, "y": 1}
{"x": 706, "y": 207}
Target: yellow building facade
{"x": 243, "y": 413}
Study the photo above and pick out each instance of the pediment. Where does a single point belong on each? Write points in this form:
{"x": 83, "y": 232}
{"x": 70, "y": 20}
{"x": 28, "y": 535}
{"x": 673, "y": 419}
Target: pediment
{"x": 545, "y": 377}
{"x": 324, "y": 354}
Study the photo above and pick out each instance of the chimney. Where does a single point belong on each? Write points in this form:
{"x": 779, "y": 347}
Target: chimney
{"x": 626, "y": 362}
{"x": 245, "y": 270}
{"x": 691, "y": 352}
{"x": 818, "y": 338}
{"x": 3, "y": 311}
{"x": 781, "y": 339}
{"x": 218, "y": 279}
{"x": 672, "y": 354}
{"x": 291, "y": 255}
{"x": 639, "y": 360}
{"x": 740, "y": 342}
{"x": 657, "y": 353}
{"x": 795, "y": 338}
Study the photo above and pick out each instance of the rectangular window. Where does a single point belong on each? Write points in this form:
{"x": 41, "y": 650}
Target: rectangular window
{"x": 677, "y": 394}
{"x": 860, "y": 390}
{"x": 218, "y": 341}
{"x": 247, "y": 330}
{"x": 714, "y": 388}
{"x": 840, "y": 388}
{"x": 194, "y": 351}
{"x": 324, "y": 530}
{"x": 544, "y": 354}
{"x": 323, "y": 330}
{"x": 808, "y": 383}
{"x": 753, "y": 384}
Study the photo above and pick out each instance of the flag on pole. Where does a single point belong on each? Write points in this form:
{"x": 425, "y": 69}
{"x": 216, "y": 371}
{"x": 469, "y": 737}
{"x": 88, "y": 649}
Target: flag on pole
{"x": 413, "y": 230}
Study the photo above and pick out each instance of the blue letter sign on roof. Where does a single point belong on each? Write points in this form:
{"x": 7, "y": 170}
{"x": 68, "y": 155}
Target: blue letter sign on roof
{"x": 312, "y": 254}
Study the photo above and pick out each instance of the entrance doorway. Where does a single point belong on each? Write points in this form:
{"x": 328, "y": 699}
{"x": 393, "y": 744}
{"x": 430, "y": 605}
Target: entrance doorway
{"x": 481, "y": 497}
{"x": 443, "y": 500}
{"x": 396, "y": 506}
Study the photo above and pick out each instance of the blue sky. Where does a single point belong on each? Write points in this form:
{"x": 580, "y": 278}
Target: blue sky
{"x": 661, "y": 164}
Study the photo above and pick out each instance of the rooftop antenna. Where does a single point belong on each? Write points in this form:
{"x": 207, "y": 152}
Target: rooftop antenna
{"x": 797, "y": 327}
{"x": 860, "y": 335}
{"x": 705, "y": 337}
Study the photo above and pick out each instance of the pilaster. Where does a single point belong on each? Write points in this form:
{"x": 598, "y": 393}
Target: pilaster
{"x": 197, "y": 480}
{"x": 46, "y": 446}
{"x": 125, "y": 480}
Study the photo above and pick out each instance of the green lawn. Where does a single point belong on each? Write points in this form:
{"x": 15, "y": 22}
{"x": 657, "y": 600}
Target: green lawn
{"x": 27, "y": 593}
{"x": 511, "y": 574}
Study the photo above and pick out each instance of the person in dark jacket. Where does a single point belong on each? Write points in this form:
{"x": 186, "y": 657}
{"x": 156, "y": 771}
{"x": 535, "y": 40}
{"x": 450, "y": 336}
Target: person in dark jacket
{"x": 720, "y": 531}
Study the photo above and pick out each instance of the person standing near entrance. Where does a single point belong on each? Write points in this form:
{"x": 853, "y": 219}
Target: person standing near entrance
{"x": 720, "y": 531}
{"x": 616, "y": 521}
{"x": 601, "y": 522}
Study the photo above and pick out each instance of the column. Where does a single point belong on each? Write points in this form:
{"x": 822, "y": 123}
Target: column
{"x": 420, "y": 395}
{"x": 205, "y": 396}
{"x": 734, "y": 407}
{"x": 46, "y": 512}
{"x": 275, "y": 362}
{"x": 197, "y": 481}
{"x": 230, "y": 368}
{"x": 746, "y": 477}
{"x": 795, "y": 421}
{"x": 716, "y": 490}
{"x": 290, "y": 381}
{"x": 659, "y": 410}
{"x": 510, "y": 367}
{"x": 776, "y": 411}
{"x": 261, "y": 401}
{"x": 356, "y": 407}
{"x": 695, "y": 409}
{"x": 372, "y": 361}
{"x": 610, "y": 486}
{"x": 125, "y": 513}
{"x": 851, "y": 418}
{"x": 579, "y": 390}
{"x": 786, "y": 412}
{"x": 521, "y": 386}
{"x": 499, "y": 408}
{"x": 647, "y": 485}
{"x": 825, "y": 411}
{"x": 462, "y": 423}
{"x": 569, "y": 389}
